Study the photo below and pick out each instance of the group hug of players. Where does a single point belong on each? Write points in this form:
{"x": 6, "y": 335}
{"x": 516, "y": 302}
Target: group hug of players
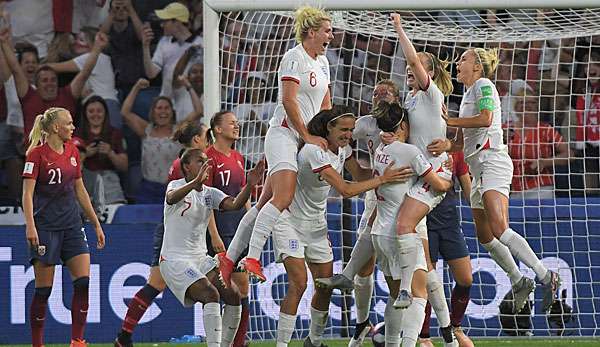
{"x": 408, "y": 220}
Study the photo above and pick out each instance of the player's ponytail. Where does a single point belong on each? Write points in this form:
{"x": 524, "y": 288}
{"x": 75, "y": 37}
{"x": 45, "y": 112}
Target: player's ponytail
{"x": 185, "y": 132}
{"x": 215, "y": 121}
{"x": 41, "y": 127}
{"x": 488, "y": 59}
{"x": 441, "y": 76}
{"x": 390, "y": 116}
{"x": 307, "y": 18}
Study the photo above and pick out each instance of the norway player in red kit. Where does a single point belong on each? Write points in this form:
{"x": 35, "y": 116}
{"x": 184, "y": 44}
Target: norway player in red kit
{"x": 52, "y": 187}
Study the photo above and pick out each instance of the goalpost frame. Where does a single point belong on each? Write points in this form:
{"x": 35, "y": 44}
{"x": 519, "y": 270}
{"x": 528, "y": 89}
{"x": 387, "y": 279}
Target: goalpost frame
{"x": 211, "y": 9}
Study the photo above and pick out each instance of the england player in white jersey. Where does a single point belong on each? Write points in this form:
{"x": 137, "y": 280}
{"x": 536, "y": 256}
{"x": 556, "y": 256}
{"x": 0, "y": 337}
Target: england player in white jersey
{"x": 303, "y": 85}
{"x": 480, "y": 133}
{"x": 393, "y": 249}
{"x": 300, "y": 235}
{"x": 184, "y": 264}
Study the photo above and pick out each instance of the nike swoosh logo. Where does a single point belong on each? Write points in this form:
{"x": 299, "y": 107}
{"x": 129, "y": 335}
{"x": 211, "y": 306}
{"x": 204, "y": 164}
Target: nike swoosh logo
{"x": 220, "y": 166}
{"x": 50, "y": 163}
{"x": 39, "y": 319}
{"x": 82, "y": 311}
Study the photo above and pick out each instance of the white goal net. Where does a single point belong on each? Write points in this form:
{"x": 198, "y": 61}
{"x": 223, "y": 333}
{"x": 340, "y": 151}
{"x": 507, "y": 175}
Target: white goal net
{"x": 549, "y": 81}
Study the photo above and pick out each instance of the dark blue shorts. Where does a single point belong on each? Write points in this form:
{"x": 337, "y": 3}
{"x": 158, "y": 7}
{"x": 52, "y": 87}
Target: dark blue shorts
{"x": 443, "y": 230}
{"x": 60, "y": 245}
{"x": 159, "y": 233}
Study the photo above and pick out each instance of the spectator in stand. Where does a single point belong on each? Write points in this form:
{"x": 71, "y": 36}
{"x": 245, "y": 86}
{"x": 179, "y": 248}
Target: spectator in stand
{"x": 516, "y": 90}
{"x": 177, "y": 39}
{"x": 29, "y": 59}
{"x": 31, "y": 21}
{"x": 188, "y": 87}
{"x": 47, "y": 93}
{"x": 158, "y": 149}
{"x": 102, "y": 78}
{"x": 103, "y": 155}
{"x": 535, "y": 149}
{"x": 588, "y": 125}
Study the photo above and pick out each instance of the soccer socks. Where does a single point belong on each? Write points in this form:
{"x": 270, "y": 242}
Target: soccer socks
{"x": 138, "y": 306}
{"x": 435, "y": 292}
{"x": 285, "y": 328}
{"x": 231, "y": 321}
{"x": 363, "y": 251}
{"x": 407, "y": 250}
{"x": 211, "y": 313}
{"x": 37, "y": 315}
{"x": 458, "y": 302}
{"x": 318, "y": 323}
{"x": 363, "y": 289}
{"x": 501, "y": 255}
{"x": 242, "y": 235}
{"x": 79, "y": 307}
{"x": 265, "y": 221}
{"x": 520, "y": 248}
{"x": 412, "y": 321}
{"x": 393, "y": 323}
{"x": 240, "y": 336}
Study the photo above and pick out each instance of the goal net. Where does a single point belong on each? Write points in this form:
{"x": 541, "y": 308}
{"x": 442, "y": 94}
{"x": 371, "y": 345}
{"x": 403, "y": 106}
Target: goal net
{"x": 548, "y": 78}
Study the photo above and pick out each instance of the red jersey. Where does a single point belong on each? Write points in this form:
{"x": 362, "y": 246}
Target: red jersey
{"x": 175, "y": 170}
{"x": 588, "y": 118}
{"x": 55, "y": 205}
{"x": 527, "y": 146}
{"x": 33, "y": 105}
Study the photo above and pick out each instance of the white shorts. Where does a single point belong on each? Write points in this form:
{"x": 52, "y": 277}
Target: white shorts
{"x": 421, "y": 229}
{"x": 492, "y": 169}
{"x": 302, "y": 239}
{"x": 370, "y": 206}
{"x": 179, "y": 275}
{"x": 388, "y": 259}
{"x": 281, "y": 149}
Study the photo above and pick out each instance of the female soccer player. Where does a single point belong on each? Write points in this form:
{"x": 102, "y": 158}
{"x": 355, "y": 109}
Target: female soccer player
{"x": 303, "y": 91}
{"x": 228, "y": 176}
{"x": 185, "y": 265}
{"x": 480, "y": 133}
{"x": 52, "y": 187}
{"x": 300, "y": 235}
{"x": 189, "y": 135}
{"x": 391, "y": 247}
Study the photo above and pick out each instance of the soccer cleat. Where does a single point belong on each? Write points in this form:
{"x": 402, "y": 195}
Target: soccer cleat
{"x": 119, "y": 343}
{"x": 360, "y": 333}
{"x": 308, "y": 343}
{"x": 425, "y": 342}
{"x": 521, "y": 291}
{"x": 253, "y": 268}
{"x": 78, "y": 343}
{"x": 403, "y": 300}
{"x": 462, "y": 338}
{"x": 448, "y": 337}
{"x": 550, "y": 290}
{"x": 338, "y": 281}
{"x": 225, "y": 269}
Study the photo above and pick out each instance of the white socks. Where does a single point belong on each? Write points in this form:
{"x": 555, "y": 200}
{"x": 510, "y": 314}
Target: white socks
{"x": 211, "y": 314}
{"x": 408, "y": 254}
{"x": 231, "y": 321}
{"x": 363, "y": 251}
{"x": 520, "y": 248}
{"x": 318, "y": 323}
{"x": 242, "y": 235}
{"x": 437, "y": 298}
{"x": 412, "y": 322}
{"x": 363, "y": 289}
{"x": 501, "y": 255}
{"x": 285, "y": 328}
{"x": 393, "y": 324}
{"x": 263, "y": 227}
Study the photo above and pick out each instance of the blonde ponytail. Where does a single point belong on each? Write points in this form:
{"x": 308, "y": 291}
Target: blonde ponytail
{"x": 488, "y": 59}
{"x": 307, "y": 18}
{"x": 441, "y": 76}
{"x": 41, "y": 127}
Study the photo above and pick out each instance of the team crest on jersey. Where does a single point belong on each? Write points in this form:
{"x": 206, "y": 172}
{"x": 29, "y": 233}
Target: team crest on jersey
{"x": 73, "y": 161}
{"x": 294, "y": 245}
{"x": 325, "y": 70}
{"x": 191, "y": 273}
{"x": 410, "y": 104}
{"x": 207, "y": 200}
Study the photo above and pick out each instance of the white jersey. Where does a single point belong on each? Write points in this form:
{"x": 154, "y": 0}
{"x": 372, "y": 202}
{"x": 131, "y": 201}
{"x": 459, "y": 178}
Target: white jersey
{"x": 186, "y": 222}
{"x": 366, "y": 129}
{"x": 481, "y": 95}
{"x": 312, "y": 77}
{"x": 390, "y": 196}
{"x": 310, "y": 198}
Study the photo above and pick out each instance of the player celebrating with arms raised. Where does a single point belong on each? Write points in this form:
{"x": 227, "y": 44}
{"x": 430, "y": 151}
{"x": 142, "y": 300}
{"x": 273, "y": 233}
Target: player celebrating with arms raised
{"x": 52, "y": 186}
{"x": 303, "y": 91}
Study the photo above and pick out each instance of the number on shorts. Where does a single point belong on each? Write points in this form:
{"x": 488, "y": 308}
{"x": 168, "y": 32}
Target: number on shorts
{"x": 426, "y": 186}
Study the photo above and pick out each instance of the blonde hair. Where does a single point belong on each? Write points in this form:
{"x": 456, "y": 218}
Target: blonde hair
{"x": 441, "y": 76}
{"x": 308, "y": 18}
{"x": 41, "y": 126}
{"x": 390, "y": 84}
{"x": 488, "y": 59}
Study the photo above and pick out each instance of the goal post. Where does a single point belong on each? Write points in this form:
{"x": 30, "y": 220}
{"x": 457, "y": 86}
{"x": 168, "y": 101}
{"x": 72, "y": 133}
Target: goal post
{"x": 546, "y": 49}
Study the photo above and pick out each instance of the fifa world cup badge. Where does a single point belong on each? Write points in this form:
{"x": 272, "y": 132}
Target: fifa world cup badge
{"x": 41, "y": 250}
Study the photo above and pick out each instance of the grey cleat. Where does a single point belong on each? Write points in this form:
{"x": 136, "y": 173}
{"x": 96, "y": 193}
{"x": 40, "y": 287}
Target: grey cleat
{"x": 403, "y": 300}
{"x": 550, "y": 290}
{"x": 338, "y": 281}
{"x": 308, "y": 343}
{"x": 521, "y": 291}
{"x": 360, "y": 333}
